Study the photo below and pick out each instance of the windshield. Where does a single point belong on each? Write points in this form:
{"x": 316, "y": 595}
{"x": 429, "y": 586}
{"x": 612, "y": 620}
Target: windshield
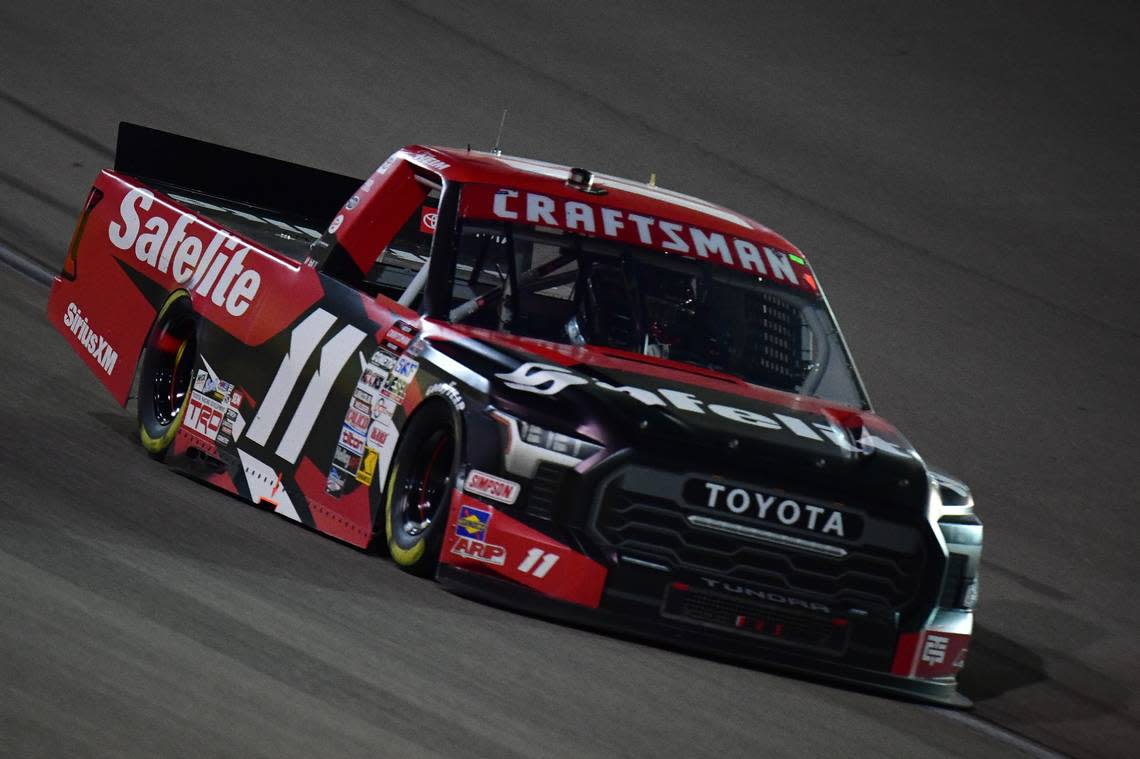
{"x": 553, "y": 285}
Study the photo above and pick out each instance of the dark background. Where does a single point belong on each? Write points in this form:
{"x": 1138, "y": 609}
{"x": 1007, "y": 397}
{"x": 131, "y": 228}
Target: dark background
{"x": 964, "y": 178}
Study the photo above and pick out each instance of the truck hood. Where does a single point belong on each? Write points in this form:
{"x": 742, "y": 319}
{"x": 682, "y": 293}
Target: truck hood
{"x": 686, "y": 418}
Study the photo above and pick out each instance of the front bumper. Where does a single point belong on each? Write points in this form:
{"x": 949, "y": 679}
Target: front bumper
{"x": 491, "y": 555}
{"x": 627, "y": 616}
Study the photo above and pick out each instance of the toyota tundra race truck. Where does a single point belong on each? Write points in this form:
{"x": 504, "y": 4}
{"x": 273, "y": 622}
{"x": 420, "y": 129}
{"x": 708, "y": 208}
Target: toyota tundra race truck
{"x": 586, "y": 397}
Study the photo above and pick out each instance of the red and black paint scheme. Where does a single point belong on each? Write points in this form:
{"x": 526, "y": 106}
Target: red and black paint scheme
{"x": 623, "y": 490}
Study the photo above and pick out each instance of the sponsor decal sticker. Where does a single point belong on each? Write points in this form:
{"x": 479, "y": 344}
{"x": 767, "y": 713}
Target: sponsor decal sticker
{"x": 471, "y": 531}
{"x": 372, "y": 378}
{"x": 427, "y": 159}
{"x": 383, "y": 407}
{"x": 383, "y": 359}
{"x": 934, "y": 649}
{"x": 367, "y": 468}
{"x": 775, "y": 509}
{"x": 547, "y": 379}
{"x": 336, "y": 223}
{"x": 215, "y": 270}
{"x": 381, "y": 435}
{"x": 346, "y": 460}
{"x": 396, "y": 385}
{"x": 400, "y": 334}
{"x": 480, "y": 551}
{"x": 472, "y": 523}
{"x": 428, "y": 218}
{"x": 754, "y": 258}
{"x": 204, "y": 415}
{"x": 358, "y": 420}
{"x": 335, "y": 483}
{"x": 105, "y": 356}
{"x": 352, "y": 440}
{"x": 495, "y": 488}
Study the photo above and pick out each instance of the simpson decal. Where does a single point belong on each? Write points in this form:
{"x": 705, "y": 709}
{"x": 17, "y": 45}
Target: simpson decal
{"x": 489, "y": 486}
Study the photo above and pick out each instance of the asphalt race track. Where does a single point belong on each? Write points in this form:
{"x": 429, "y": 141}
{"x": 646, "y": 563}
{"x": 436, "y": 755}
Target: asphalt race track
{"x": 966, "y": 179}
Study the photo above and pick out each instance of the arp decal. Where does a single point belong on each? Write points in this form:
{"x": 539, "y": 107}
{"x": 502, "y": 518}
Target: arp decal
{"x": 471, "y": 537}
{"x": 481, "y": 536}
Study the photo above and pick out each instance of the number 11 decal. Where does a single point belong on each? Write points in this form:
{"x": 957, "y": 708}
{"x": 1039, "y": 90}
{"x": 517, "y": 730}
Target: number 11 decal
{"x": 302, "y": 342}
{"x": 533, "y": 557}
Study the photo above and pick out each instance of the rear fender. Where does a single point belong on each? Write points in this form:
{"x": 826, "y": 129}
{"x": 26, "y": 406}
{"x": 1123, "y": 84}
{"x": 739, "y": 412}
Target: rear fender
{"x": 132, "y": 247}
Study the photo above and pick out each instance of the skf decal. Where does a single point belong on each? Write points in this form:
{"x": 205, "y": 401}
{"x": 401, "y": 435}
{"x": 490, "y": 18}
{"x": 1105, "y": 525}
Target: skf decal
{"x": 203, "y": 268}
{"x": 495, "y": 488}
{"x": 96, "y": 345}
{"x": 396, "y": 385}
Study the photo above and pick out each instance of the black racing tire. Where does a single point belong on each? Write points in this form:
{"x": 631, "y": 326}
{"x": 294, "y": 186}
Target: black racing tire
{"x": 417, "y": 497}
{"x": 166, "y": 372}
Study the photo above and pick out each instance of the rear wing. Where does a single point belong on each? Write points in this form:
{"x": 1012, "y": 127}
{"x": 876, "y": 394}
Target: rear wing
{"x": 287, "y": 189}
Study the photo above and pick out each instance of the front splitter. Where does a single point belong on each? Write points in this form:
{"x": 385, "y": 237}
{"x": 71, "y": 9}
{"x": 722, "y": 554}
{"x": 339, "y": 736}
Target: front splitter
{"x": 496, "y": 591}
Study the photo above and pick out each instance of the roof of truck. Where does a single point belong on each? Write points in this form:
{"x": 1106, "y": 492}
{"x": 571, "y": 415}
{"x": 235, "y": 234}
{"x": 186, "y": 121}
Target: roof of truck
{"x": 529, "y": 175}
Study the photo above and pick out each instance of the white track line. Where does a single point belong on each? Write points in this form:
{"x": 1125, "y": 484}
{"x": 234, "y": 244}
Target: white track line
{"x": 1000, "y": 733}
{"x": 26, "y": 265}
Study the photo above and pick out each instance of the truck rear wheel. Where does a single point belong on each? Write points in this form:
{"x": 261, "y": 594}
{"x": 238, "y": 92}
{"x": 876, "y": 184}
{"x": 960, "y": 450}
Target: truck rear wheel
{"x": 165, "y": 373}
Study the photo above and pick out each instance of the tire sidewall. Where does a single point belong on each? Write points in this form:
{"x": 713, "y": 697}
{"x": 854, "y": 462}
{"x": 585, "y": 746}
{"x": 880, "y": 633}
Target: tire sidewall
{"x": 420, "y": 554}
{"x": 155, "y": 436}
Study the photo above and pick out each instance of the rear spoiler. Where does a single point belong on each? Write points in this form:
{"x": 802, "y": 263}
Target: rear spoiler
{"x": 289, "y": 189}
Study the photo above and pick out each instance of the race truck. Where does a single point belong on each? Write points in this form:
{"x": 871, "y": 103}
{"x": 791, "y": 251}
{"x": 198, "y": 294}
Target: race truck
{"x": 585, "y": 397}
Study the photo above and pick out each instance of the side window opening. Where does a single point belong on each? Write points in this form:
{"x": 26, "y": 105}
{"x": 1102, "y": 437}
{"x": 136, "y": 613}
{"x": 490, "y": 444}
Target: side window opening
{"x": 398, "y": 263}
{"x": 514, "y": 280}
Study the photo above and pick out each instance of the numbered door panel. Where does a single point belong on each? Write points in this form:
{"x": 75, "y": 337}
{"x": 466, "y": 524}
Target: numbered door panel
{"x": 306, "y": 422}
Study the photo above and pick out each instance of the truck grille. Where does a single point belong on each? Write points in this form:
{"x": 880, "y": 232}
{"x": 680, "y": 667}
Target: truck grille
{"x": 653, "y": 527}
